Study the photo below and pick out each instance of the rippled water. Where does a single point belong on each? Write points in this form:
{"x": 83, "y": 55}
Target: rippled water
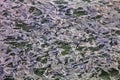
{"x": 59, "y": 40}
